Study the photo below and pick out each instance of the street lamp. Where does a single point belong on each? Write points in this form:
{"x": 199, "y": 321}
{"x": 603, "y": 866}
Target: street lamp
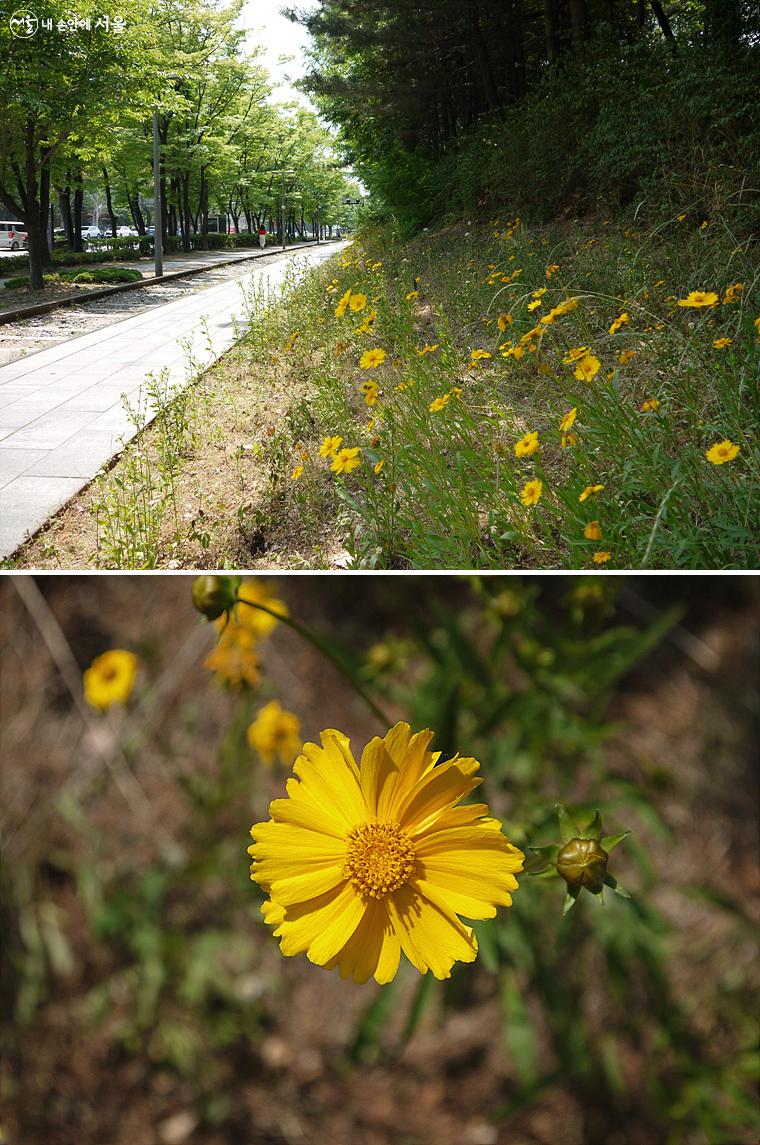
{"x": 283, "y": 172}
{"x": 158, "y": 230}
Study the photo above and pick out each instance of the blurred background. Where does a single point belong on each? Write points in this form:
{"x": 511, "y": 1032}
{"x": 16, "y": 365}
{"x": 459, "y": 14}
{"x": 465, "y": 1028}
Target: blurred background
{"x": 145, "y": 1003}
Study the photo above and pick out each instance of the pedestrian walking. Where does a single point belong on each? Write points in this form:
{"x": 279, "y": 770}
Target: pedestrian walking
{"x": 262, "y": 236}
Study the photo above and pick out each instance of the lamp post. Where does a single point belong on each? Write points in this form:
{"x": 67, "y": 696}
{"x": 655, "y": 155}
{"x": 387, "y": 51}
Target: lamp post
{"x": 283, "y": 172}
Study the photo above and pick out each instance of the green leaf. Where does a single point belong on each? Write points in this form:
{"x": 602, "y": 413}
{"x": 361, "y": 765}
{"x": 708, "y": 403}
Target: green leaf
{"x": 609, "y": 842}
{"x": 570, "y": 899}
{"x": 568, "y": 828}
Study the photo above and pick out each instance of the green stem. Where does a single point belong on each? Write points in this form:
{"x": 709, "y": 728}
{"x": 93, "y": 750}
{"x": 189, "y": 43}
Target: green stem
{"x": 322, "y": 648}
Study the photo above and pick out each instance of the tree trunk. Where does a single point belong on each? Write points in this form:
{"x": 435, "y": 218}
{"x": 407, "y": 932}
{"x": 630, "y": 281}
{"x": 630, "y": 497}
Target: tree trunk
{"x": 664, "y": 23}
{"x": 109, "y": 204}
{"x": 578, "y": 24}
{"x": 723, "y": 23}
{"x": 78, "y": 204}
{"x": 186, "y": 212}
{"x": 67, "y": 219}
{"x": 45, "y": 212}
{"x": 550, "y": 30}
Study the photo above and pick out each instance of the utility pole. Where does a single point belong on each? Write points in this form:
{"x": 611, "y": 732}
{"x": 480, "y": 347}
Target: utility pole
{"x": 282, "y": 209}
{"x": 158, "y": 236}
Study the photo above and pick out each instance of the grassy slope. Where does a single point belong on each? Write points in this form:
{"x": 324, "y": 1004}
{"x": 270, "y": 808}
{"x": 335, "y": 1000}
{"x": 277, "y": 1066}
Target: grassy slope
{"x": 448, "y": 491}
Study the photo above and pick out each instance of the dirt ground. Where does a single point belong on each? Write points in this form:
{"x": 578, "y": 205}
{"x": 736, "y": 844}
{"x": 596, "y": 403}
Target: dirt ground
{"x": 689, "y": 708}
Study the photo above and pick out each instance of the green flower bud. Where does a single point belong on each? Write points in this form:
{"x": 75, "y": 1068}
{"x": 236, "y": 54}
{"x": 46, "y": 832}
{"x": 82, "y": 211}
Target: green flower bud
{"x": 583, "y": 863}
{"x": 214, "y": 595}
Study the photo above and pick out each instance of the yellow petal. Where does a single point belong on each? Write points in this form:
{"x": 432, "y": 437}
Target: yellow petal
{"x": 457, "y": 901}
{"x": 298, "y": 887}
{"x": 462, "y": 816}
{"x": 373, "y": 948}
{"x": 412, "y": 759}
{"x": 377, "y": 770}
{"x": 331, "y": 777}
{"x": 437, "y": 792}
{"x": 322, "y": 924}
{"x": 430, "y": 936}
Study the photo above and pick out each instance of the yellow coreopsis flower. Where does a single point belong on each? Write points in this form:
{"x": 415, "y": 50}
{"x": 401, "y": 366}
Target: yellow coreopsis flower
{"x": 235, "y": 660}
{"x": 479, "y": 355}
{"x": 593, "y": 531}
{"x": 345, "y": 460}
{"x": 438, "y": 404}
{"x": 698, "y": 298}
{"x": 722, "y": 452}
{"x": 370, "y": 390}
{"x": 733, "y": 292}
{"x": 297, "y": 473}
{"x": 625, "y": 356}
{"x": 587, "y": 368}
{"x": 410, "y": 297}
{"x": 260, "y": 624}
{"x": 651, "y": 405}
{"x": 590, "y": 491}
{"x": 619, "y": 321}
{"x": 721, "y": 343}
{"x": 363, "y": 861}
{"x": 427, "y": 349}
{"x": 357, "y": 302}
{"x": 341, "y": 307}
{"x": 527, "y": 445}
{"x": 275, "y": 733}
{"x": 378, "y": 467}
{"x": 550, "y": 270}
{"x": 534, "y": 305}
{"x": 568, "y": 420}
{"x": 601, "y": 558}
{"x": 568, "y": 440}
{"x": 530, "y": 494}
{"x": 503, "y": 321}
{"x": 110, "y": 678}
{"x": 371, "y": 359}
{"x": 330, "y": 446}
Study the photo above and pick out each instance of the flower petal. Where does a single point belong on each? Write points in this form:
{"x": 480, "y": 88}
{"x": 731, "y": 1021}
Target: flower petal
{"x": 330, "y": 775}
{"x": 321, "y": 925}
{"x": 430, "y": 936}
{"x": 373, "y": 948}
{"x": 436, "y": 792}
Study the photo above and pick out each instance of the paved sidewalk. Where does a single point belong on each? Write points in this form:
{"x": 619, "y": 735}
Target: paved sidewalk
{"x": 61, "y": 413}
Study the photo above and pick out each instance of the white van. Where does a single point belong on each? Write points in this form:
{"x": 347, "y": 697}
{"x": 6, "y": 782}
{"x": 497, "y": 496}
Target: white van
{"x": 12, "y": 236}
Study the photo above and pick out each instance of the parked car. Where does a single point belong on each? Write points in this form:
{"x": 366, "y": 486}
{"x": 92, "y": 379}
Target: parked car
{"x": 12, "y": 236}
{"x": 126, "y": 232}
{"x": 91, "y": 232}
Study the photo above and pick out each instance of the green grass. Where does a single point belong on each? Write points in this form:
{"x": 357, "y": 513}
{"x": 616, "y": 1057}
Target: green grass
{"x": 447, "y": 493}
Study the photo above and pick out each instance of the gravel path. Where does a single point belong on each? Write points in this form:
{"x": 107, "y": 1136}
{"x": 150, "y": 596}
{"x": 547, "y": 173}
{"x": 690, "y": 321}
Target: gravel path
{"x": 17, "y": 339}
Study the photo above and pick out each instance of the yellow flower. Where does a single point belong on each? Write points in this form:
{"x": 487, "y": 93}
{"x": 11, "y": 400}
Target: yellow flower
{"x": 377, "y": 470}
{"x": 550, "y": 270}
{"x": 569, "y": 439}
{"x": 593, "y": 531}
{"x": 357, "y": 302}
{"x": 503, "y": 321}
{"x": 721, "y": 343}
{"x": 363, "y": 861}
{"x": 602, "y": 558}
{"x": 534, "y": 305}
{"x": 428, "y": 350}
{"x": 275, "y": 733}
{"x": 437, "y": 404}
{"x": 371, "y": 359}
{"x": 587, "y": 368}
{"x": 527, "y": 445}
{"x": 589, "y": 491}
{"x": 235, "y": 660}
{"x": 412, "y": 295}
{"x": 619, "y": 321}
{"x": 564, "y": 307}
{"x": 370, "y": 389}
{"x": 680, "y": 218}
{"x": 330, "y": 446}
{"x": 297, "y": 472}
{"x": 575, "y": 354}
{"x": 704, "y": 225}
{"x": 625, "y": 356}
{"x": 699, "y": 298}
{"x": 341, "y": 307}
{"x": 110, "y": 678}
{"x": 651, "y": 405}
{"x": 530, "y": 494}
{"x": 733, "y": 292}
{"x": 345, "y": 460}
{"x": 721, "y": 452}
{"x": 539, "y": 293}
{"x": 568, "y": 420}
{"x": 756, "y": 324}
{"x": 477, "y": 355}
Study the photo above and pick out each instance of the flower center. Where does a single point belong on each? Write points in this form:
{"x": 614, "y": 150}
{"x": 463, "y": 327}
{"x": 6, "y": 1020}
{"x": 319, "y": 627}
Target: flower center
{"x": 380, "y": 858}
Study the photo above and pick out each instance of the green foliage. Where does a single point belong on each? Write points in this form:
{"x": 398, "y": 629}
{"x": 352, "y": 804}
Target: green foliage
{"x": 106, "y": 275}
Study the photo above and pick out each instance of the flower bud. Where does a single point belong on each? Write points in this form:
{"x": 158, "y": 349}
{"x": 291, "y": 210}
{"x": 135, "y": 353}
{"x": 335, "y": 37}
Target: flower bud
{"x": 213, "y": 595}
{"x": 583, "y": 863}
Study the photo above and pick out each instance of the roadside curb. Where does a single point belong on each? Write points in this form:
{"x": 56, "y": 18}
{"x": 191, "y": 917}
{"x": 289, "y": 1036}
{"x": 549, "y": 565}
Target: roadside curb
{"x": 91, "y": 295}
